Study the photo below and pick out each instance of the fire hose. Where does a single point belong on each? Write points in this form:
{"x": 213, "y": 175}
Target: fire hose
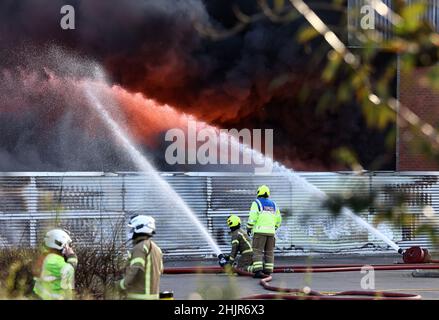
{"x": 414, "y": 258}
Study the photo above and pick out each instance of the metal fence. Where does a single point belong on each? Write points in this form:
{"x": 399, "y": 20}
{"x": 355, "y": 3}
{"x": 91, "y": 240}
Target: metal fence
{"x": 95, "y": 208}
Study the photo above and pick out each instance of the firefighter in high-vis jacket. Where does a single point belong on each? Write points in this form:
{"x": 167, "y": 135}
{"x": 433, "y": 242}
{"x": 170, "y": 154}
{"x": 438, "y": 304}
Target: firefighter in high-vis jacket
{"x": 264, "y": 219}
{"x": 241, "y": 244}
{"x": 145, "y": 262}
{"x": 55, "y": 280}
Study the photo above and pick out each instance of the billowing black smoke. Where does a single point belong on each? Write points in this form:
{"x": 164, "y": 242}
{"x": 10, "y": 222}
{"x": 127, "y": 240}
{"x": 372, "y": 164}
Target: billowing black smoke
{"x": 251, "y": 79}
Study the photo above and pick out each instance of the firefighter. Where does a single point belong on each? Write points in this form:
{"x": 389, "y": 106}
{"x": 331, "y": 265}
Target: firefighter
{"x": 241, "y": 244}
{"x": 145, "y": 265}
{"x": 57, "y": 270}
{"x": 264, "y": 219}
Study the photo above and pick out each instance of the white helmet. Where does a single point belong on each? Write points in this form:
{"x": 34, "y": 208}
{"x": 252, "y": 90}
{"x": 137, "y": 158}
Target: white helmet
{"x": 142, "y": 224}
{"x": 57, "y": 239}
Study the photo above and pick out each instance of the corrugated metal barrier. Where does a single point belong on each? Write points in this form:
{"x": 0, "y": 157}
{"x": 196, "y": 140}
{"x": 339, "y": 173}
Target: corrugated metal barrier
{"x": 95, "y": 208}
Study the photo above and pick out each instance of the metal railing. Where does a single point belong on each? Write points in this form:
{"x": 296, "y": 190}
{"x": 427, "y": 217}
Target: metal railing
{"x": 95, "y": 207}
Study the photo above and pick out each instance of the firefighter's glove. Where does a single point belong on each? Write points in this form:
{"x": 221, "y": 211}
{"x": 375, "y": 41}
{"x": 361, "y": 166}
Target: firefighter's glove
{"x": 68, "y": 252}
{"x": 222, "y": 260}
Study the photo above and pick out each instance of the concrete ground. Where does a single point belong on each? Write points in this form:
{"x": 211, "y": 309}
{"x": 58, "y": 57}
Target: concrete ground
{"x": 221, "y": 286}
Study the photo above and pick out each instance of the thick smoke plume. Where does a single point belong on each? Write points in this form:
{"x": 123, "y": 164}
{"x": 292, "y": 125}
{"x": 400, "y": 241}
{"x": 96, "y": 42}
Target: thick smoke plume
{"x": 154, "y": 48}
{"x": 46, "y": 122}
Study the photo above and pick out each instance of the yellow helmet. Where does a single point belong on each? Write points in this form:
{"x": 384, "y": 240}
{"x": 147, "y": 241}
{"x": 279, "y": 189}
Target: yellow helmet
{"x": 263, "y": 190}
{"x": 233, "y": 221}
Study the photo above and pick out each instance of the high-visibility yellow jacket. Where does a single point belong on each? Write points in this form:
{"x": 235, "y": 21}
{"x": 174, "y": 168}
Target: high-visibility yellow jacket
{"x": 264, "y": 217}
{"x": 56, "y": 281}
{"x": 142, "y": 275}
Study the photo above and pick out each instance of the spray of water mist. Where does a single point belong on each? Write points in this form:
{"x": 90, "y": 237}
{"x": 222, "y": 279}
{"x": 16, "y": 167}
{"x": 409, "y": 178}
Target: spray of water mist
{"x": 141, "y": 162}
{"x": 258, "y": 157}
{"x": 308, "y": 187}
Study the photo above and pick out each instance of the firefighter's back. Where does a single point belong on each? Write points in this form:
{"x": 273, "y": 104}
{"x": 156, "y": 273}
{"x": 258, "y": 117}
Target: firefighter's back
{"x": 146, "y": 285}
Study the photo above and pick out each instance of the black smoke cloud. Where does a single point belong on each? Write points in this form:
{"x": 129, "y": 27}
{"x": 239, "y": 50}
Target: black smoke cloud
{"x": 152, "y": 47}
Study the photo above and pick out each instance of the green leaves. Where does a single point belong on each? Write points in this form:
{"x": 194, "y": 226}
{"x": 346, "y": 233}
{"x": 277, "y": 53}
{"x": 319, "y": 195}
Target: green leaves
{"x": 357, "y": 202}
{"x": 279, "y": 5}
{"x": 332, "y": 66}
{"x": 347, "y": 156}
{"x": 307, "y": 34}
{"x": 433, "y": 77}
{"x": 411, "y": 15}
{"x": 378, "y": 115}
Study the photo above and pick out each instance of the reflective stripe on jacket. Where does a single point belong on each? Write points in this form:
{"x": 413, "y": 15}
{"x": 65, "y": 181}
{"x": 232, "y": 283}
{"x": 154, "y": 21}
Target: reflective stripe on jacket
{"x": 142, "y": 275}
{"x": 241, "y": 243}
{"x": 56, "y": 281}
{"x": 264, "y": 216}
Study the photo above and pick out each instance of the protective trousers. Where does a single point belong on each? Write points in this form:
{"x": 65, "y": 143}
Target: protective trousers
{"x": 245, "y": 262}
{"x": 263, "y": 252}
